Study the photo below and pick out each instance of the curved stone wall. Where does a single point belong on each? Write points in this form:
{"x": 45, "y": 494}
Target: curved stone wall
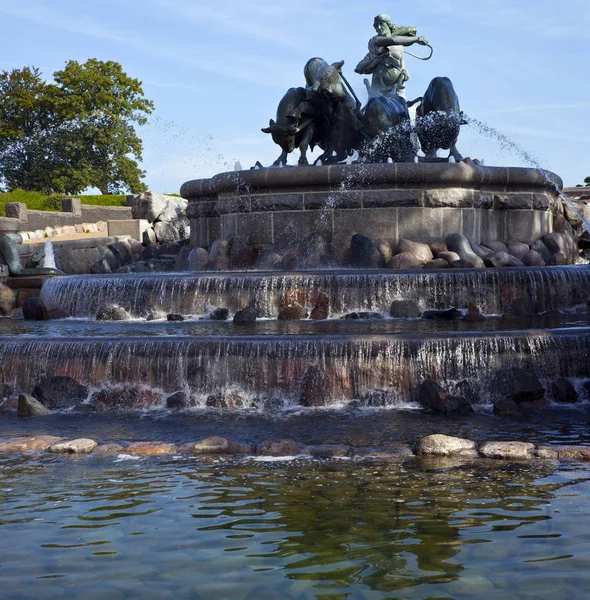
{"x": 423, "y": 202}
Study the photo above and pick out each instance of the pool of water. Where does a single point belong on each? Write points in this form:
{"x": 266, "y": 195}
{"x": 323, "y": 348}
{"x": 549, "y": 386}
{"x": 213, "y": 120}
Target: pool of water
{"x": 174, "y": 527}
{"x": 81, "y": 328}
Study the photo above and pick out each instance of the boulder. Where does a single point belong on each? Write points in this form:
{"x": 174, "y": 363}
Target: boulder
{"x": 321, "y": 309}
{"x": 314, "y": 387}
{"x": 122, "y": 252}
{"x": 166, "y": 232}
{"x": 178, "y": 400}
{"x": 518, "y": 249}
{"x": 421, "y": 252}
{"x": 219, "y": 255}
{"x": 34, "y": 309}
{"x": 362, "y": 316}
{"x": 431, "y": 395}
{"x": 328, "y": 450}
{"x": 507, "y": 450}
{"x": 60, "y": 392}
{"x": 533, "y": 259}
{"x": 473, "y": 314}
{"x": 280, "y": 448}
{"x": 7, "y": 301}
{"x": 404, "y": 261}
{"x": 385, "y": 249}
{"x": 246, "y": 316}
{"x": 558, "y": 259}
{"x": 481, "y": 251}
{"x": 563, "y": 391}
{"x": 462, "y": 264}
{"x": 522, "y": 386}
{"x": 231, "y": 401}
{"x": 181, "y": 263}
{"x": 448, "y": 256}
{"x": 293, "y": 312}
{"x": 30, "y": 407}
{"x": 574, "y": 453}
{"x": 134, "y": 397}
{"x": 437, "y": 247}
{"x": 520, "y": 307}
{"x": 216, "y": 445}
{"x": 444, "y": 445}
{"x": 364, "y": 253}
{"x": 503, "y": 259}
{"x": 450, "y": 313}
{"x": 110, "y": 449}
{"x": 77, "y": 446}
{"x": 152, "y": 206}
{"x": 198, "y": 260}
{"x": 555, "y": 243}
{"x": 496, "y": 246}
{"x": 540, "y": 248}
{"x": 457, "y": 242}
{"x": 113, "y": 313}
{"x": 506, "y": 408}
{"x": 455, "y": 405}
{"x": 404, "y": 309}
{"x": 174, "y": 317}
{"x": 437, "y": 263}
{"x": 219, "y": 314}
{"x": 34, "y": 443}
{"x": 150, "y": 448}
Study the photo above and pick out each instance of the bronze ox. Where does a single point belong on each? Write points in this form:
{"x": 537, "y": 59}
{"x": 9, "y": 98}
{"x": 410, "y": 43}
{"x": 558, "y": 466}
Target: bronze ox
{"x": 439, "y": 119}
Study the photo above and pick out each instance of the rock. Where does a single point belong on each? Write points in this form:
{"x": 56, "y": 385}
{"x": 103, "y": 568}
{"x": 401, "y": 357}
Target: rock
{"x": 421, "y": 252}
{"x": 280, "y": 448}
{"x": 574, "y": 453}
{"x": 518, "y": 249}
{"x": 520, "y": 386}
{"x": 457, "y": 242}
{"x": 242, "y": 253}
{"x": 558, "y": 259}
{"x": 444, "y": 445}
{"x": 174, "y": 317}
{"x": 150, "y": 448}
{"x": 437, "y": 247}
{"x": 473, "y": 314}
{"x": 7, "y": 301}
{"x": 293, "y": 312}
{"x": 56, "y": 314}
{"x": 321, "y": 309}
{"x": 314, "y": 387}
{"x": 497, "y": 247}
{"x": 268, "y": 259}
{"x": 541, "y": 249}
{"x": 135, "y": 397}
{"x": 219, "y": 314}
{"x": 113, "y": 313}
{"x": 481, "y": 251}
{"x": 34, "y": 309}
{"x": 328, "y": 450}
{"x": 533, "y": 259}
{"x": 393, "y": 452}
{"x": 363, "y": 316}
{"x": 376, "y": 399}
{"x": 246, "y": 316}
{"x": 507, "y": 450}
{"x": 454, "y": 405}
{"x": 506, "y": 408}
{"x": 223, "y": 401}
{"x": 152, "y": 206}
{"x": 219, "y": 255}
{"x": 122, "y": 252}
{"x": 546, "y": 452}
{"x": 150, "y": 253}
{"x": 448, "y": 256}
{"x": 437, "y": 263}
{"x": 177, "y": 401}
{"x": 181, "y": 263}
{"x": 404, "y": 309}
{"x": 364, "y": 253}
{"x": 431, "y": 395}
{"x": 198, "y": 260}
{"x": 30, "y": 407}
{"x": 165, "y": 232}
{"x": 148, "y": 237}
{"x": 288, "y": 258}
{"x": 465, "y": 390}
{"x": 555, "y": 243}
{"x": 385, "y": 249}
{"x": 110, "y": 449}
{"x": 28, "y": 443}
{"x": 216, "y": 445}
{"x": 563, "y": 391}
{"x": 451, "y": 313}
{"x": 503, "y": 259}
{"x": 60, "y": 392}
{"x": 77, "y": 446}
{"x": 462, "y": 264}
{"x": 404, "y": 261}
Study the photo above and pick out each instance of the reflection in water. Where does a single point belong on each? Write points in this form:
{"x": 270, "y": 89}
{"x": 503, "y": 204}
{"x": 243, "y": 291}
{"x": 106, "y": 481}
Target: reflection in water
{"x": 206, "y": 529}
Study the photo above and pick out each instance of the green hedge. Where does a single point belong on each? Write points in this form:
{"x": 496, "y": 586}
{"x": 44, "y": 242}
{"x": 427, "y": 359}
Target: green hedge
{"x": 38, "y": 201}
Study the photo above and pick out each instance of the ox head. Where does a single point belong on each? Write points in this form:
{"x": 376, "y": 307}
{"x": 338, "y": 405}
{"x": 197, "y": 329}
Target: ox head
{"x": 282, "y": 134}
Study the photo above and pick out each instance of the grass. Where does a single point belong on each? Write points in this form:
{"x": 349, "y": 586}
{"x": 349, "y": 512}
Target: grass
{"x": 39, "y": 201}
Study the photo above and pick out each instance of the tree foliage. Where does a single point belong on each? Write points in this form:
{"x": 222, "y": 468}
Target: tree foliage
{"x": 587, "y": 181}
{"x": 73, "y": 133}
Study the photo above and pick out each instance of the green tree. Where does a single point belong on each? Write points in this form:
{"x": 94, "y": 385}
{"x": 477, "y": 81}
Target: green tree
{"x": 587, "y": 181}
{"x": 73, "y": 133}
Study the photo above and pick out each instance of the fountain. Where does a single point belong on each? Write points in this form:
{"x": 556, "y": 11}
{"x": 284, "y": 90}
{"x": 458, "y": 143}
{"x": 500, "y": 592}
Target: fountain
{"x": 334, "y": 236}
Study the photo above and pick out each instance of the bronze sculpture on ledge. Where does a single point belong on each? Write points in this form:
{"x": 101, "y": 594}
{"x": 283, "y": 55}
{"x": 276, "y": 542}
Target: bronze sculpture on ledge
{"x": 326, "y": 113}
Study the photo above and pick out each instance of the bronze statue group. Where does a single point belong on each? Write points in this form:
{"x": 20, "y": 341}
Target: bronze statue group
{"x": 327, "y": 113}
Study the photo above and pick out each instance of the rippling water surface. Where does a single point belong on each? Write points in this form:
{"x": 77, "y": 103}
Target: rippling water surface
{"x": 94, "y": 527}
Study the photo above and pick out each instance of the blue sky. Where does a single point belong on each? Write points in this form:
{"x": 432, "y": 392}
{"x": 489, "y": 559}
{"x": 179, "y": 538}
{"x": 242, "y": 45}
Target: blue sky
{"x": 216, "y": 70}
